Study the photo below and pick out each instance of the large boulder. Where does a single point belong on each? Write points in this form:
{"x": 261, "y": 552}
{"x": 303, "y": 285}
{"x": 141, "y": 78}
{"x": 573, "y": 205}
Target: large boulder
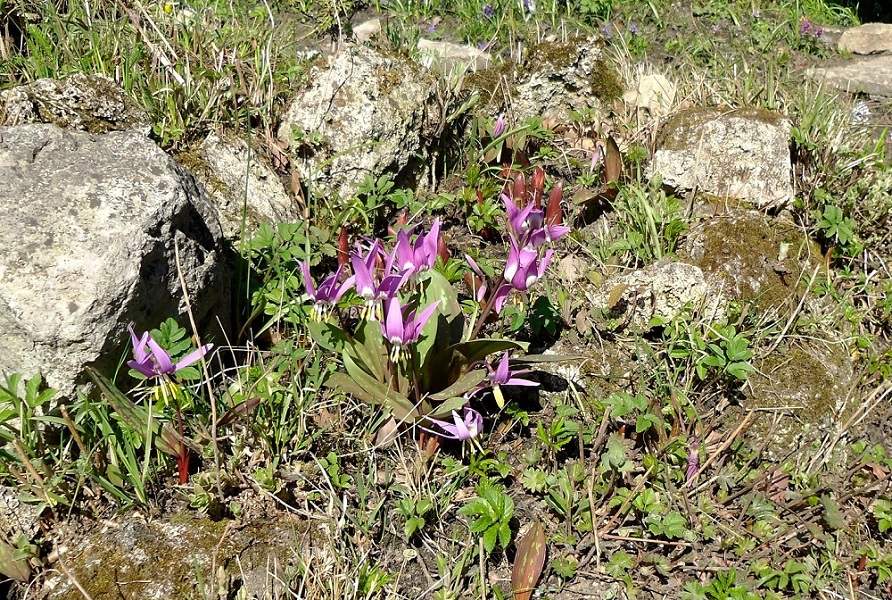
{"x": 870, "y": 38}
{"x": 93, "y": 103}
{"x": 871, "y": 75}
{"x": 241, "y": 184}
{"x": 362, "y": 113}
{"x": 742, "y": 154}
{"x": 89, "y": 225}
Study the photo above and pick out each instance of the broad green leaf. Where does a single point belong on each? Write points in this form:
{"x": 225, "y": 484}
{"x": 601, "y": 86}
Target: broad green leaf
{"x": 18, "y": 569}
{"x": 370, "y": 348}
{"x": 328, "y": 335}
{"x": 465, "y": 383}
{"x": 401, "y": 407}
{"x": 444, "y": 409}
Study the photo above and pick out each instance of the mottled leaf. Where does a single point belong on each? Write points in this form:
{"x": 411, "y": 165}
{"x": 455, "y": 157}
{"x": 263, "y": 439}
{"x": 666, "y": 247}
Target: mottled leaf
{"x": 528, "y": 562}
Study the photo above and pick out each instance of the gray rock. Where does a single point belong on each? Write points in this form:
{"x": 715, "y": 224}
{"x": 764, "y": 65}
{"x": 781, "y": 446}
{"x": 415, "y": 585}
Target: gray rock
{"x": 237, "y": 179}
{"x": 560, "y": 78}
{"x": 659, "y": 291}
{"x": 870, "y": 75}
{"x": 870, "y": 38}
{"x": 810, "y": 377}
{"x": 88, "y": 225}
{"x": 17, "y": 519}
{"x": 91, "y": 103}
{"x": 361, "y": 114}
{"x": 743, "y": 154}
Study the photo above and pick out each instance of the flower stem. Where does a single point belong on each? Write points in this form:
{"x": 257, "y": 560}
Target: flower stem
{"x": 487, "y": 308}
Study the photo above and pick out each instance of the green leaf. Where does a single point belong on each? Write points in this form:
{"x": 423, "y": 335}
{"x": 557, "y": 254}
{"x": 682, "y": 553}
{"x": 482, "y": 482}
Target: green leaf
{"x": 401, "y": 407}
{"x": 832, "y": 514}
{"x": 164, "y": 437}
{"x": 328, "y": 335}
{"x": 465, "y": 383}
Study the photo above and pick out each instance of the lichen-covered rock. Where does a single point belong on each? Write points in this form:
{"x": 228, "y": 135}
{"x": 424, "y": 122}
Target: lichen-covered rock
{"x": 657, "y": 293}
{"x": 750, "y": 258}
{"x": 810, "y": 378}
{"x": 88, "y": 226}
{"x": 554, "y": 80}
{"x": 92, "y": 103}
{"x": 158, "y": 560}
{"x": 238, "y": 179}
{"x": 362, "y": 113}
{"x": 742, "y": 154}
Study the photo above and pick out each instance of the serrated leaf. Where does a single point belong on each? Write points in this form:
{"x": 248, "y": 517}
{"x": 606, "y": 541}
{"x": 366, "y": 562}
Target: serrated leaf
{"x": 832, "y": 514}
{"x": 528, "y": 562}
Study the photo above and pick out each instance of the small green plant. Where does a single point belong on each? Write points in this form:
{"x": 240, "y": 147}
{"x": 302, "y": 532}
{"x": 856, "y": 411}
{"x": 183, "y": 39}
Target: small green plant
{"x": 490, "y": 515}
{"x": 835, "y": 226}
{"x": 414, "y": 511}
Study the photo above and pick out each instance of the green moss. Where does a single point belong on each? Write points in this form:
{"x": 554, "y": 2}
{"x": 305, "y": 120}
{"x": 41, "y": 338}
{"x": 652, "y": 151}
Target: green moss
{"x": 743, "y": 250}
{"x": 494, "y": 85}
{"x": 606, "y": 84}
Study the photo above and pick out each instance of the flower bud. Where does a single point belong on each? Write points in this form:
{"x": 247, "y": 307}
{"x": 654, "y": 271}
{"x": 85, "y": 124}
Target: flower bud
{"x": 553, "y": 214}
{"x": 537, "y": 184}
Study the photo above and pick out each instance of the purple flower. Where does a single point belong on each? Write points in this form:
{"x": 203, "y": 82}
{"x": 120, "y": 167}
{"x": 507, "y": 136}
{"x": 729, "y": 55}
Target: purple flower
{"x": 432, "y": 28}
{"x": 596, "y": 158}
{"x": 499, "y": 127}
{"x": 480, "y": 292}
{"x": 410, "y": 258}
{"x": 693, "y": 465}
{"x": 606, "y": 32}
{"x": 716, "y": 28}
{"x": 329, "y": 291}
{"x": 366, "y": 284}
{"x": 155, "y": 361}
{"x": 633, "y": 28}
{"x": 818, "y": 31}
{"x": 524, "y": 268}
{"x": 757, "y": 14}
{"x": 804, "y": 27}
{"x": 461, "y": 429}
{"x": 517, "y": 217}
{"x": 528, "y": 225}
{"x": 488, "y": 12}
{"x": 482, "y": 45}
{"x": 503, "y": 375}
{"x": 401, "y": 332}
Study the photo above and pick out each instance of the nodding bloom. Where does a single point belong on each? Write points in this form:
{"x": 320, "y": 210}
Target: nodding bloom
{"x": 154, "y": 361}
{"x": 480, "y": 282}
{"x": 524, "y": 268}
{"x": 530, "y": 226}
{"x": 499, "y": 127}
{"x": 365, "y": 281}
{"x": 409, "y": 258}
{"x": 461, "y": 429}
{"x": 693, "y": 465}
{"x": 503, "y": 375}
{"x": 401, "y": 331}
{"x": 329, "y": 291}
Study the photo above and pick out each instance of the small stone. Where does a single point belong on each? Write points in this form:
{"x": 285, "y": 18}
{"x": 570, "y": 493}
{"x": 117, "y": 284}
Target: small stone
{"x": 870, "y": 75}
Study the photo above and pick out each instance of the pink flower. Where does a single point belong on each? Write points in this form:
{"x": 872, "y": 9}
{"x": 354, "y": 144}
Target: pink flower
{"x": 155, "y": 361}
{"x": 461, "y": 429}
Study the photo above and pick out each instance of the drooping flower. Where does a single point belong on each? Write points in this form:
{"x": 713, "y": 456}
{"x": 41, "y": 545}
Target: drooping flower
{"x": 367, "y": 284}
{"x": 401, "y": 331}
{"x": 329, "y": 291}
{"x": 499, "y": 127}
{"x": 155, "y": 361}
{"x": 524, "y": 268}
{"x": 461, "y": 429}
{"x": 409, "y": 258}
{"x": 693, "y": 465}
{"x": 503, "y": 375}
{"x": 477, "y": 284}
